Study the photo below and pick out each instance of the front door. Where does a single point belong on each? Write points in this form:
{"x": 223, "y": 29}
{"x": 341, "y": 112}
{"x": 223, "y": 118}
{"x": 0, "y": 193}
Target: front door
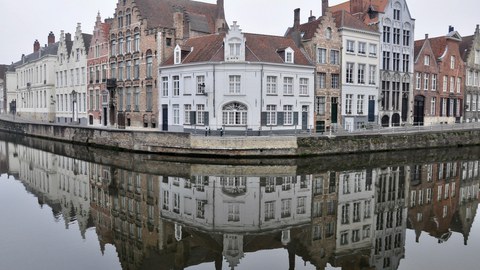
{"x": 165, "y": 117}
{"x": 105, "y": 120}
{"x": 334, "y": 111}
{"x": 419, "y": 111}
{"x": 371, "y": 111}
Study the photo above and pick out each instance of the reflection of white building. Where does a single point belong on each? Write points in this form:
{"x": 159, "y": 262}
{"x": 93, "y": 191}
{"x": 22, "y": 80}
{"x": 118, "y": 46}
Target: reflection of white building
{"x": 390, "y": 212}
{"x": 356, "y": 202}
{"x": 59, "y": 181}
{"x": 236, "y": 206}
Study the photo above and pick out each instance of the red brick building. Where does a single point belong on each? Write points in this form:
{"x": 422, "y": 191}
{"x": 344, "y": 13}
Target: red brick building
{"x": 451, "y": 77}
{"x": 97, "y": 68}
{"x": 143, "y": 34}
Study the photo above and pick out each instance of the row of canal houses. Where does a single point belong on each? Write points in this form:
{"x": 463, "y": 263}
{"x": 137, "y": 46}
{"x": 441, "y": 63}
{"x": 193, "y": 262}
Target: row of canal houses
{"x": 176, "y": 65}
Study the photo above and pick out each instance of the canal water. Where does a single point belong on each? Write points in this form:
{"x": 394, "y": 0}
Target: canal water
{"x": 66, "y": 206}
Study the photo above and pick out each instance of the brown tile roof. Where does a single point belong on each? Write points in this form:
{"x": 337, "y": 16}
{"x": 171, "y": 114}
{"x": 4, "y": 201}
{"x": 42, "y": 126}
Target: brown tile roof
{"x": 259, "y": 48}
{"x": 345, "y": 19}
{"x": 418, "y": 47}
{"x": 374, "y": 5}
{"x": 159, "y": 13}
{"x": 439, "y": 46}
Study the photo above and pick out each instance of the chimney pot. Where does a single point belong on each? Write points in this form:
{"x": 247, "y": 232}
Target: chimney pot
{"x": 36, "y": 46}
{"x": 51, "y": 38}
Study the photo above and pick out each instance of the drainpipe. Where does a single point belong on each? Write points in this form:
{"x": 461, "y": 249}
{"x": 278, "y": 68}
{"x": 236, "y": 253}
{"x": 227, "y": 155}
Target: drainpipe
{"x": 261, "y": 95}
{"x": 214, "y": 83}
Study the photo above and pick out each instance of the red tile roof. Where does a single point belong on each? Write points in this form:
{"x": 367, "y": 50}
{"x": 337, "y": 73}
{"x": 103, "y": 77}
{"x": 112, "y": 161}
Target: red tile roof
{"x": 259, "y": 48}
{"x": 375, "y": 5}
{"x": 345, "y": 19}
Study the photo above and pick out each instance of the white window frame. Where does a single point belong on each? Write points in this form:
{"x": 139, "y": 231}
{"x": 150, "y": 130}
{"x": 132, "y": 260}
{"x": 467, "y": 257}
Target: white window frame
{"x": 271, "y": 85}
{"x": 288, "y": 86}
{"x": 271, "y": 115}
{"x": 234, "y": 82}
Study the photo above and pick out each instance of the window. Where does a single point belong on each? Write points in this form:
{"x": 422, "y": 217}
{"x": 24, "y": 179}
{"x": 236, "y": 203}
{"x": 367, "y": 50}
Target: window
{"x": 335, "y": 81}
{"x": 434, "y": 82}
{"x": 386, "y": 60}
{"x": 396, "y": 14}
{"x": 426, "y": 60}
{"x": 129, "y": 99}
{"x": 149, "y": 99}
{"x": 406, "y": 38}
{"x": 452, "y": 62}
{"x": 97, "y": 100}
{"x": 288, "y": 57}
{"x": 386, "y": 34}
{"x": 269, "y": 211}
{"x": 165, "y": 86}
{"x": 445, "y": 83}
{"x": 320, "y": 108}
{"x": 406, "y": 63}
{"x": 477, "y": 57}
{"x": 271, "y": 85}
{"x": 372, "y": 75}
{"x": 396, "y": 36}
{"x": 350, "y": 46}
{"x": 303, "y": 86}
{"x": 452, "y": 84}
{"x": 396, "y": 61}
{"x": 176, "y": 114}
{"x": 288, "y": 86}
{"x": 286, "y": 208}
{"x": 136, "y": 42}
{"x": 113, "y": 48}
{"x": 349, "y": 73}
{"x": 334, "y": 57}
{"x": 301, "y": 205}
{"x": 129, "y": 44}
{"x": 322, "y": 80}
{"x": 91, "y": 101}
{"x": 418, "y": 81}
{"x": 136, "y": 69}
{"x": 120, "y": 20}
{"x": 129, "y": 70}
{"x": 348, "y": 104}
{"x": 361, "y": 74}
{"x": 149, "y": 66}
{"x": 136, "y": 99}
{"x": 288, "y": 114}
{"x": 200, "y": 85}
{"x": 362, "y": 48}
{"x": 345, "y": 214}
{"x": 176, "y": 86}
{"x": 234, "y": 84}
{"x": 234, "y": 45}
{"x": 360, "y": 103}
{"x": 328, "y": 33}
{"x": 426, "y": 82}
{"x": 128, "y": 18}
{"x": 187, "y": 110}
{"x": 120, "y": 99}
{"x": 201, "y": 114}
{"x": 120, "y": 46}
{"x": 459, "y": 85}
{"x": 432, "y": 106}
{"x": 271, "y": 115}
{"x": 373, "y": 50}
{"x": 322, "y": 56}
{"x": 234, "y": 114}
{"x": 120, "y": 71}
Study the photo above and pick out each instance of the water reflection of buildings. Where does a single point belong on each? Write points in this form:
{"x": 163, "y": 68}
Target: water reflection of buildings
{"x": 444, "y": 199}
{"x": 350, "y": 219}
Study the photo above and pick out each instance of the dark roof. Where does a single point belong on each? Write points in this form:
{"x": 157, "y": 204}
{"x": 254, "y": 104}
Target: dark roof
{"x": 51, "y": 49}
{"x": 87, "y": 39}
{"x": 3, "y": 69}
{"x": 418, "y": 47}
{"x": 259, "y": 48}
{"x": 466, "y": 46}
{"x": 202, "y": 16}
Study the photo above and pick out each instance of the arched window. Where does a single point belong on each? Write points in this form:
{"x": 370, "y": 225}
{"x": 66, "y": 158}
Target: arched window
{"x": 136, "y": 38}
{"x": 328, "y": 33}
{"x": 235, "y": 114}
{"x": 120, "y": 19}
{"x": 149, "y": 64}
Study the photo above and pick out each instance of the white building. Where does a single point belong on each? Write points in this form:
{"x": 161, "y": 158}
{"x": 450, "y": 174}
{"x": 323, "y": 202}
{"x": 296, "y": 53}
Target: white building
{"x": 360, "y": 69}
{"x": 239, "y": 83}
{"x": 71, "y": 77}
{"x": 31, "y": 82}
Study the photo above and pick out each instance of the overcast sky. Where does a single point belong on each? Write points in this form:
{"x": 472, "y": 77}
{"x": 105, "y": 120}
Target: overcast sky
{"x": 23, "y": 21}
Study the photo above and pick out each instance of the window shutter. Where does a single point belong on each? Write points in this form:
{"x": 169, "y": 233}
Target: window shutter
{"x": 263, "y": 119}
{"x": 193, "y": 118}
{"x": 206, "y": 119}
{"x": 280, "y": 118}
{"x": 295, "y": 118}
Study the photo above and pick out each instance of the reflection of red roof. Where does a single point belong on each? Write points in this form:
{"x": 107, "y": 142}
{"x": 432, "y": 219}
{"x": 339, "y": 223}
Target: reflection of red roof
{"x": 259, "y": 48}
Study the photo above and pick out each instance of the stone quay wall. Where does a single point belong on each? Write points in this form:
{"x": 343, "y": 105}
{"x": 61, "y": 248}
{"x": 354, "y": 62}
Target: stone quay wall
{"x": 185, "y": 144}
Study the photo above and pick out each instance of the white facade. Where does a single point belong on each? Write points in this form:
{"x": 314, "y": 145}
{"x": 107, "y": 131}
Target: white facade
{"x": 397, "y": 28}
{"x": 34, "y": 85}
{"x": 360, "y": 73}
{"x": 71, "y": 78}
{"x": 236, "y": 96}
{"x": 356, "y": 204}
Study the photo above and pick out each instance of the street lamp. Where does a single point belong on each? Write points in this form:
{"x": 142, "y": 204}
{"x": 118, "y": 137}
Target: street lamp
{"x": 74, "y": 102}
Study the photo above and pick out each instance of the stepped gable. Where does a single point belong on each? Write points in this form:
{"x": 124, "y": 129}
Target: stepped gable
{"x": 202, "y": 16}
{"x": 259, "y": 48}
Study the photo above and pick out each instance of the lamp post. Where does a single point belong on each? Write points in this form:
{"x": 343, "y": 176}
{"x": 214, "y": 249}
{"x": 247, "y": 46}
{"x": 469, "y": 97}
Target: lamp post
{"x": 74, "y": 102}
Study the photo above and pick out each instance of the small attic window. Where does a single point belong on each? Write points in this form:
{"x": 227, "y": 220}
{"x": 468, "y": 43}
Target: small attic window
{"x": 178, "y": 55}
{"x": 328, "y": 33}
{"x": 289, "y": 56}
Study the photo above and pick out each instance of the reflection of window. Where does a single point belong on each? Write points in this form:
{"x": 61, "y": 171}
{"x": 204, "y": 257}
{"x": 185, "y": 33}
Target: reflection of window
{"x": 286, "y": 208}
{"x": 301, "y": 205}
{"x": 269, "y": 211}
{"x": 233, "y": 212}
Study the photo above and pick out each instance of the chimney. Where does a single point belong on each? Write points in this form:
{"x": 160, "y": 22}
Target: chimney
{"x": 477, "y": 30}
{"x": 426, "y": 36}
{"x": 311, "y": 18}
{"x": 451, "y": 29}
{"x": 51, "y": 38}
{"x": 324, "y": 7}
{"x": 36, "y": 46}
{"x": 296, "y": 18}
{"x": 356, "y": 6}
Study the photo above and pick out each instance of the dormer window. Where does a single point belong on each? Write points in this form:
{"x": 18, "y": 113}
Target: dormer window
{"x": 289, "y": 56}
{"x": 234, "y": 44}
{"x": 178, "y": 55}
